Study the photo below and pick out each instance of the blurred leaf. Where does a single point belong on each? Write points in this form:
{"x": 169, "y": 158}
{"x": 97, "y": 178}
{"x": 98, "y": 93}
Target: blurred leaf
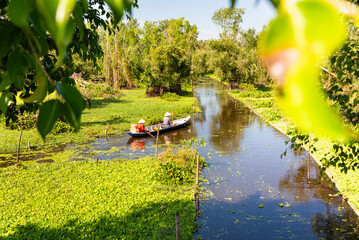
{"x": 118, "y": 7}
{"x": 5, "y": 82}
{"x": 10, "y": 36}
{"x": 85, "y": 5}
{"x": 74, "y": 103}
{"x": 293, "y": 46}
{"x": 49, "y": 112}
{"x": 79, "y": 19}
{"x": 57, "y": 14}
{"x": 39, "y": 32}
{"x": 5, "y": 100}
{"x": 41, "y": 89}
{"x": 19, "y": 11}
{"x": 70, "y": 116}
{"x": 17, "y": 66}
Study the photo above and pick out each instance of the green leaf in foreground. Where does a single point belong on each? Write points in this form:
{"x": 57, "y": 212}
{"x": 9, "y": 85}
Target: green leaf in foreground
{"x": 293, "y": 47}
{"x": 5, "y": 100}
{"x": 49, "y": 112}
{"x": 118, "y": 7}
{"x": 41, "y": 90}
{"x": 19, "y": 11}
{"x": 17, "y": 66}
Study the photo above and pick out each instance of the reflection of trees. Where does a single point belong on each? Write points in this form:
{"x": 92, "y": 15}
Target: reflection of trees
{"x": 303, "y": 180}
{"x": 229, "y": 121}
{"x": 331, "y": 226}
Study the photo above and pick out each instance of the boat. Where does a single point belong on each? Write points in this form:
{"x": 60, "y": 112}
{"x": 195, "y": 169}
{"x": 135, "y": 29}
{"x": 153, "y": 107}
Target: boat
{"x": 152, "y": 130}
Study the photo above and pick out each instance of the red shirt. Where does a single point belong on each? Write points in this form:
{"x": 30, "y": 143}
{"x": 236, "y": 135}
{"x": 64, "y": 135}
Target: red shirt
{"x": 141, "y": 127}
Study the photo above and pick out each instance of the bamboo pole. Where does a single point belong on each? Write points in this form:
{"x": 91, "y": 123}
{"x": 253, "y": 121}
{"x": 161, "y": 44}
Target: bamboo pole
{"x": 18, "y": 147}
{"x": 197, "y": 170}
{"x": 173, "y": 108}
{"x": 178, "y": 226}
{"x": 158, "y": 133}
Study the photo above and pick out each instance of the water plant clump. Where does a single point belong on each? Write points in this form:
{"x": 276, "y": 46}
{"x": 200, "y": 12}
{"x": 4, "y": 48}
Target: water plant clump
{"x": 178, "y": 167}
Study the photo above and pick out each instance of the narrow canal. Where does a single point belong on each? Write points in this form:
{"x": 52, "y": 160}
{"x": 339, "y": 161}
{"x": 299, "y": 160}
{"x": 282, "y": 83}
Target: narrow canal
{"x": 251, "y": 192}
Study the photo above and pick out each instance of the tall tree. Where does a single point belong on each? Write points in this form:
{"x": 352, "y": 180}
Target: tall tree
{"x": 229, "y": 20}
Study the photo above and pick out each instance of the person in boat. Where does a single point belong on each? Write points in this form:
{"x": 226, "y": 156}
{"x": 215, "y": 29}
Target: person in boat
{"x": 141, "y": 126}
{"x": 167, "y": 121}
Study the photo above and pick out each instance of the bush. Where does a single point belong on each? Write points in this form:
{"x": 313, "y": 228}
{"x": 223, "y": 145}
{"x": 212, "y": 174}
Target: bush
{"x": 247, "y": 87}
{"x": 92, "y": 90}
{"x": 24, "y": 122}
{"x": 179, "y": 167}
{"x": 61, "y": 127}
{"x": 168, "y": 96}
{"x": 263, "y": 103}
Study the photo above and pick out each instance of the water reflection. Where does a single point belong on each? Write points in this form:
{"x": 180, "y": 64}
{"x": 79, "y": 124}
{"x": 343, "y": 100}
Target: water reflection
{"x": 248, "y": 182}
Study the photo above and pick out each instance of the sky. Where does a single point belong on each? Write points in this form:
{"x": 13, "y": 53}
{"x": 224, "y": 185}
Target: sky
{"x": 199, "y": 12}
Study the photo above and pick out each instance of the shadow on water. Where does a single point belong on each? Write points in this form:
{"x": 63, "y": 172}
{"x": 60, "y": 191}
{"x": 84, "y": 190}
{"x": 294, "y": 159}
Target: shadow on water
{"x": 247, "y": 181}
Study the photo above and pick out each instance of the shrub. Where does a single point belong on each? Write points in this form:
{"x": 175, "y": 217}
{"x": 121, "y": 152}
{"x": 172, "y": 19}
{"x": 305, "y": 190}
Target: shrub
{"x": 25, "y": 121}
{"x": 61, "y": 127}
{"x": 92, "y": 90}
{"x": 168, "y": 96}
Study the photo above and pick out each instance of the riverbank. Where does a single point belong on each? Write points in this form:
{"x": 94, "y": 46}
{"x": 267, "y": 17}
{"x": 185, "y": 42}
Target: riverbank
{"x": 94, "y": 200}
{"x": 105, "y": 117}
{"x": 262, "y": 101}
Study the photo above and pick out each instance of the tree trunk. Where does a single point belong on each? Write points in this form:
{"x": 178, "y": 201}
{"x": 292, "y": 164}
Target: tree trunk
{"x": 107, "y": 62}
{"x": 116, "y": 83}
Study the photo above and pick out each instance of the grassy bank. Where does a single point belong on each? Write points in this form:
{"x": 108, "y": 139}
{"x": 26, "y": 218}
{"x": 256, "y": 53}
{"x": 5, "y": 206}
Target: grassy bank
{"x": 111, "y": 114}
{"x": 93, "y": 200}
{"x": 261, "y": 99}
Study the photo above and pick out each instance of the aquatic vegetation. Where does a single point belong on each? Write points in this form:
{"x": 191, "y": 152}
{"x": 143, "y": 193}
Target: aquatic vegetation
{"x": 116, "y": 199}
{"x": 178, "y": 167}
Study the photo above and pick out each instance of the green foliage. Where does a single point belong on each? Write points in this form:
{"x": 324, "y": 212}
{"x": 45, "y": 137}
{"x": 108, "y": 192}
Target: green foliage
{"x": 170, "y": 96}
{"x": 228, "y": 19}
{"x": 178, "y": 168}
{"x": 92, "y": 90}
{"x": 234, "y": 57}
{"x": 193, "y": 143}
{"x": 39, "y": 38}
{"x": 61, "y": 127}
{"x": 89, "y": 200}
{"x": 293, "y": 46}
{"x": 25, "y": 122}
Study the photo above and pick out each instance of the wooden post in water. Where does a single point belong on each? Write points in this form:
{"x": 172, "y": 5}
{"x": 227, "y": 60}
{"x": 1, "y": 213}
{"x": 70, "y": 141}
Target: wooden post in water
{"x": 308, "y": 167}
{"x": 196, "y": 204}
{"x": 158, "y": 133}
{"x": 194, "y": 102}
{"x": 18, "y": 147}
{"x": 197, "y": 170}
{"x": 178, "y": 226}
{"x": 28, "y": 146}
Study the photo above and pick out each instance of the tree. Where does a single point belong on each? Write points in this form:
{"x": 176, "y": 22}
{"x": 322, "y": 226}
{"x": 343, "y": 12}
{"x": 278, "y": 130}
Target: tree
{"x": 168, "y": 47}
{"x": 38, "y": 41}
{"x": 228, "y": 19}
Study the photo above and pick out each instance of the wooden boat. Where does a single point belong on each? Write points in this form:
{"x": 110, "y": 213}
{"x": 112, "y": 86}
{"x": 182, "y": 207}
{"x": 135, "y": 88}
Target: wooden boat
{"x": 152, "y": 130}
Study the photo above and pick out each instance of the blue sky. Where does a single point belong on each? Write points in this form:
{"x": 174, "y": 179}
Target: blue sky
{"x": 199, "y": 12}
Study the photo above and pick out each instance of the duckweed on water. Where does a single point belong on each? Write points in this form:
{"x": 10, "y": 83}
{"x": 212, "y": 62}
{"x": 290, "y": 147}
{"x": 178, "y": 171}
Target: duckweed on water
{"x": 88, "y": 200}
